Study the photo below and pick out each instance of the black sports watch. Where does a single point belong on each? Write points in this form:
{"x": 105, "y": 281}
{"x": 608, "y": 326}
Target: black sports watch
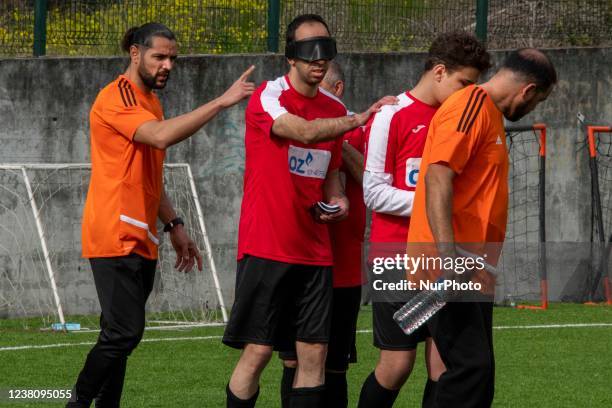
{"x": 173, "y": 223}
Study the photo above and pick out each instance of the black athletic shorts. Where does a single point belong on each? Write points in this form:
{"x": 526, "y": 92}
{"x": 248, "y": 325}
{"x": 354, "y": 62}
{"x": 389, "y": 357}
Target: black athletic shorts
{"x": 387, "y": 334}
{"x": 341, "y": 347}
{"x": 277, "y": 303}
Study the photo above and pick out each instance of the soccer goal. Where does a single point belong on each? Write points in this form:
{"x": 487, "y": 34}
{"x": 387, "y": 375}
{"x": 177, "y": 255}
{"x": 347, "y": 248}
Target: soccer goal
{"x": 599, "y": 139}
{"x": 45, "y": 282}
{"x": 523, "y": 276}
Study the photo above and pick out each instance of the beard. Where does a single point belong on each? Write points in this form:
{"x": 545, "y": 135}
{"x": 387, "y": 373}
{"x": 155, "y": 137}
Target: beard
{"x": 518, "y": 113}
{"x": 151, "y": 81}
{"x": 307, "y": 77}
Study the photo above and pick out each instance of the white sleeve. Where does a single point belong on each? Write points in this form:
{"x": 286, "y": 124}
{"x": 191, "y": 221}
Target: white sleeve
{"x": 378, "y": 191}
{"x": 379, "y": 195}
{"x": 270, "y": 98}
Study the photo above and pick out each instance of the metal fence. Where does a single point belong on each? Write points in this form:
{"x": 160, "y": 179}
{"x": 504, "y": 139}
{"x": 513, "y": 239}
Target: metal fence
{"x": 549, "y": 23}
{"x": 386, "y": 25}
{"x": 95, "y": 27}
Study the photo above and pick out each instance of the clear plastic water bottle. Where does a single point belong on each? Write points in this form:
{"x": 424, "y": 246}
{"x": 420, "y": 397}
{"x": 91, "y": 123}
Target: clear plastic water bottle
{"x": 419, "y": 309}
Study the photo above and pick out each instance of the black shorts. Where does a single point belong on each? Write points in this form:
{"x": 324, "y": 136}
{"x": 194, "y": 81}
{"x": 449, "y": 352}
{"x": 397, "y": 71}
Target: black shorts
{"x": 341, "y": 347}
{"x": 387, "y": 334}
{"x": 277, "y": 303}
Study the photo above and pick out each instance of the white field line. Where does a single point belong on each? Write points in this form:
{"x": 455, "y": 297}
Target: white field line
{"x": 153, "y": 328}
{"x": 194, "y": 338}
{"x": 537, "y": 326}
{"x": 91, "y": 343}
{"x": 554, "y": 326}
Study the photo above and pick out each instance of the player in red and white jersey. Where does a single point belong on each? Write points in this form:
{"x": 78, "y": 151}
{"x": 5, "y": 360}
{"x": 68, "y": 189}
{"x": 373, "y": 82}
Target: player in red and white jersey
{"x": 347, "y": 245}
{"x": 284, "y": 279}
{"x": 284, "y": 178}
{"x": 396, "y": 138}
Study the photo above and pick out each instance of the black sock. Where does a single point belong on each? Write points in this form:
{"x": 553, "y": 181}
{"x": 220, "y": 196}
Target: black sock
{"x": 110, "y": 393}
{"x": 336, "y": 390}
{"x": 308, "y": 397}
{"x": 374, "y": 395}
{"x": 235, "y": 402}
{"x": 72, "y": 404}
{"x": 75, "y": 403}
{"x": 429, "y": 394}
{"x": 286, "y": 386}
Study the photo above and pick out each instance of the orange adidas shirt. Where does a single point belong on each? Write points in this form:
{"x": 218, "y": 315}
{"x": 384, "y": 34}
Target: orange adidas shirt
{"x": 126, "y": 176}
{"x": 467, "y": 134}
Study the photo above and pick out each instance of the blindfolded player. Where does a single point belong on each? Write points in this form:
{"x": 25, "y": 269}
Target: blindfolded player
{"x": 284, "y": 276}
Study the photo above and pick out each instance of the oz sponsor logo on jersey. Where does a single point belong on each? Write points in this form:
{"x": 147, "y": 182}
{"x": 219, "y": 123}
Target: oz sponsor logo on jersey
{"x": 308, "y": 162}
{"x": 412, "y": 171}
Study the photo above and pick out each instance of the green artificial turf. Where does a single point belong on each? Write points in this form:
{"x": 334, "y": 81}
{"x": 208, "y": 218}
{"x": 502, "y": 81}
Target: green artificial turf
{"x": 535, "y": 367}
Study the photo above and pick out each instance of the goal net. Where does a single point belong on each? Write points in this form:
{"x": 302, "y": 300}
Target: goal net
{"x": 523, "y": 263}
{"x": 600, "y": 153}
{"x": 45, "y": 282}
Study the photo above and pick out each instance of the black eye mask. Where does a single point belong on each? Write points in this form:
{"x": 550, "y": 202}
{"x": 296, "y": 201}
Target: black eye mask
{"x": 312, "y": 49}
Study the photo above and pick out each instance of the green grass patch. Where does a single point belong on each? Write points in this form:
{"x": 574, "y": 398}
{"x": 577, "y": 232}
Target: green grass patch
{"x": 538, "y": 367}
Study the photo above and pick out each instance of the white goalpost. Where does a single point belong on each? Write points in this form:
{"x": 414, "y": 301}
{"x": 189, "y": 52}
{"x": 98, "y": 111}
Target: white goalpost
{"x": 43, "y": 243}
{"x": 43, "y": 279}
{"x": 206, "y": 241}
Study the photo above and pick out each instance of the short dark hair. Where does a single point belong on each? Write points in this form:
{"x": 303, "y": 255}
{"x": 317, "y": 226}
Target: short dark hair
{"x": 458, "y": 49}
{"x": 533, "y": 66}
{"x": 298, "y": 21}
{"x": 334, "y": 73}
{"x": 144, "y": 34}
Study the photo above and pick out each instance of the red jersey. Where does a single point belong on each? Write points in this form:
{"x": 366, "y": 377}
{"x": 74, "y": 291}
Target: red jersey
{"x": 396, "y": 138}
{"x": 283, "y": 178}
{"x": 347, "y": 235}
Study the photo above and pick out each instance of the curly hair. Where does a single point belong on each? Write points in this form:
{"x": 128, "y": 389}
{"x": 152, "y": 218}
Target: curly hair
{"x": 458, "y": 49}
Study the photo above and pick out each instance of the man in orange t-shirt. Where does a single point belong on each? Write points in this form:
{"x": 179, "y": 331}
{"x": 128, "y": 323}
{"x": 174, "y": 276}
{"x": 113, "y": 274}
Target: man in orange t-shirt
{"x": 126, "y": 196}
{"x": 464, "y": 200}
